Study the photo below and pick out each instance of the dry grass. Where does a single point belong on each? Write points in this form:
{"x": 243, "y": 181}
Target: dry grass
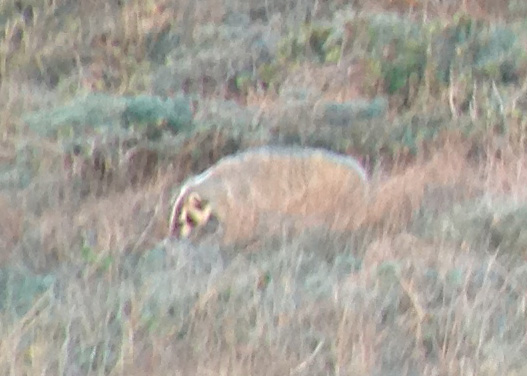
{"x": 368, "y": 304}
{"x": 89, "y": 284}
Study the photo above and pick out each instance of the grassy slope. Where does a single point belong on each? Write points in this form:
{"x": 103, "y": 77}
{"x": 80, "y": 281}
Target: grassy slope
{"x": 89, "y": 286}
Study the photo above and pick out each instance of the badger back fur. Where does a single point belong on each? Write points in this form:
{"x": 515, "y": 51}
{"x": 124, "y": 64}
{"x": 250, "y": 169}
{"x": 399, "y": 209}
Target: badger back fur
{"x": 262, "y": 190}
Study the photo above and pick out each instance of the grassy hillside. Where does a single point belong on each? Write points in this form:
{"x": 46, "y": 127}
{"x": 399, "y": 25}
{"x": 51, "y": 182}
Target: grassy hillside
{"x": 107, "y": 106}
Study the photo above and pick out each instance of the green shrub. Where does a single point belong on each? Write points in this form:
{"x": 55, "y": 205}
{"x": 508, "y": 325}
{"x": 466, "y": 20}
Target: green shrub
{"x": 105, "y": 113}
{"x": 19, "y": 288}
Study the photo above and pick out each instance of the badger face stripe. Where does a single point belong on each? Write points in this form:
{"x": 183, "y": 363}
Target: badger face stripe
{"x": 177, "y": 229}
{"x": 184, "y": 231}
{"x": 198, "y": 210}
{"x": 181, "y": 222}
{"x": 193, "y": 213}
{"x": 184, "y": 225}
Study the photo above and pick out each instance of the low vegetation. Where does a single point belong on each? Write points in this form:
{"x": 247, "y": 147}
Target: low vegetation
{"x": 107, "y": 106}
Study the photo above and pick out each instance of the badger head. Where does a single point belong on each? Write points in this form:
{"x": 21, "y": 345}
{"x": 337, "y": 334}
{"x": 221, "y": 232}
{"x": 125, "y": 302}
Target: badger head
{"x": 190, "y": 213}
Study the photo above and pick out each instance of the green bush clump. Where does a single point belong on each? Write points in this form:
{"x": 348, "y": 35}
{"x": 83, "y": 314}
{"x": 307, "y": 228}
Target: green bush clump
{"x": 89, "y": 112}
{"x": 19, "y": 288}
{"x": 408, "y": 65}
{"x": 152, "y": 115}
{"x": 472, "y": 48}
{"x": 307, "y": 43}
{"x": 402, "y": 54}
{"x": 400, "y": 46}
{"x": 412, "y": 134}
{"x": 105, "y": 113}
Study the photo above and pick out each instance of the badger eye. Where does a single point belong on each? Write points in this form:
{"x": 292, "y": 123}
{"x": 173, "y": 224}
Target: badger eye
{"x": 190, "y": 220}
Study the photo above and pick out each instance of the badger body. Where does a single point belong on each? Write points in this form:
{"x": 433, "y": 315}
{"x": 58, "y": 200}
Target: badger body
{"x": 261, "y": 191}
